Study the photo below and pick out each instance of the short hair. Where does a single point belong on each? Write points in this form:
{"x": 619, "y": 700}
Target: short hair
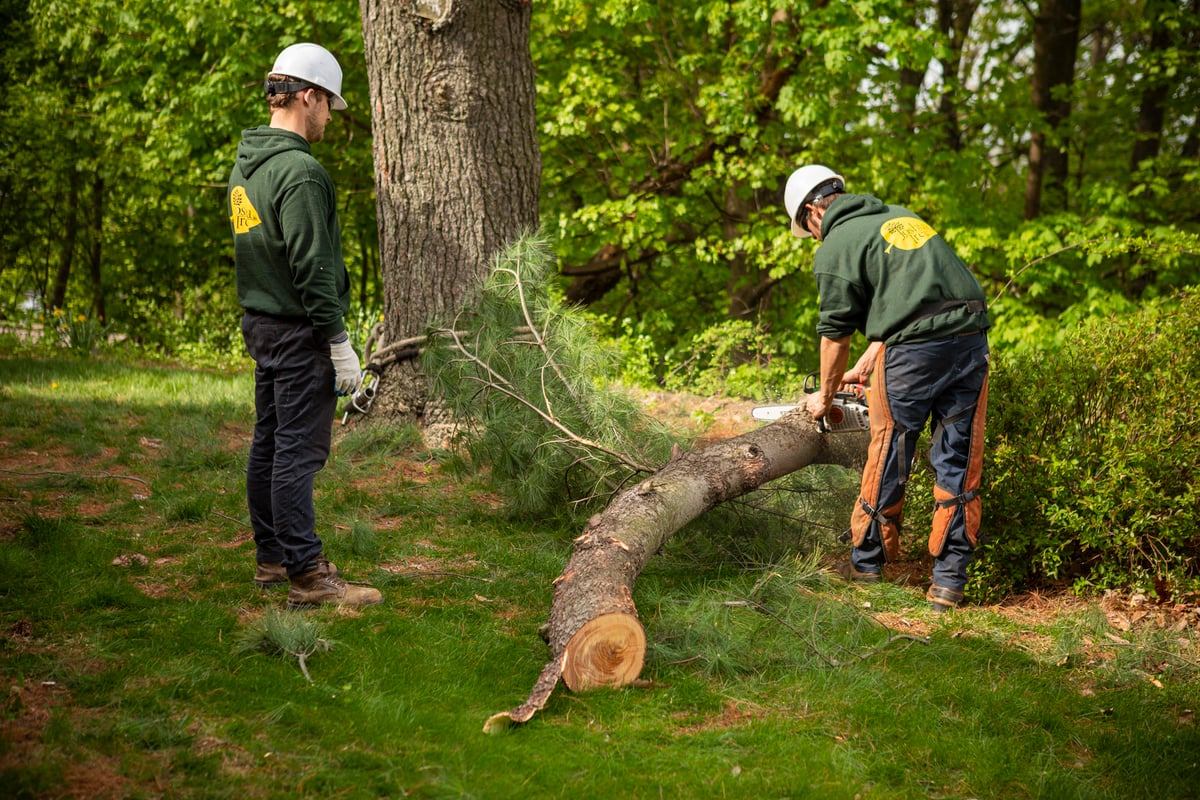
{"x": 825, "y": 202}
{"x": 280, "y": 100}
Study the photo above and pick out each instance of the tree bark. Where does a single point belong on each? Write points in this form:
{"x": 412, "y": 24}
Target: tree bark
{"x": 954, "y": 22}
{"x": 593, "y": 631}
{"x": 70, "y": 227}
{"x": 457, "y": 165}
{"x": 1156, "y": 92}
{"x": 95, "y": 262}
{"x": 1055, "y": 42}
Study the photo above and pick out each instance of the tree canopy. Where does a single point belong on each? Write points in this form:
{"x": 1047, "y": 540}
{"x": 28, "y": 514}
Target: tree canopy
{"x": 666, "y": 131}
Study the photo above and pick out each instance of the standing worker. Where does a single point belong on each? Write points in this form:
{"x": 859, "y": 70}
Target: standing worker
{"x": 882, "y": 270}
{"x": 295, "y": 292}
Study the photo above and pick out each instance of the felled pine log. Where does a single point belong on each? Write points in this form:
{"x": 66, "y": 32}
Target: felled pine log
{"x": 594, "y": 634}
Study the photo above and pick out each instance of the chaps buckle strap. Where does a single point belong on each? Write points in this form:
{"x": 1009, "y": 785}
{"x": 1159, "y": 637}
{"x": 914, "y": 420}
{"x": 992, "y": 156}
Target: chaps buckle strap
{"x": 958, "y": 500}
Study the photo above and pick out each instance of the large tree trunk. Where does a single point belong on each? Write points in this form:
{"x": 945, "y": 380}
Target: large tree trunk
{"x": 1156, "y": 90}
{"x": 954, "y": 22}
{"x": 95, "y": 263}
{"x": 593, "y": 631}
{"x": 70, "y": 228}
{"x": 457, "y": 165}
{"x": 1055, "y": 42}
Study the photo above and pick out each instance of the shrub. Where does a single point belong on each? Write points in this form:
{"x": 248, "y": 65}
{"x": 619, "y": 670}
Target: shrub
{"x": 1093, "y": 458}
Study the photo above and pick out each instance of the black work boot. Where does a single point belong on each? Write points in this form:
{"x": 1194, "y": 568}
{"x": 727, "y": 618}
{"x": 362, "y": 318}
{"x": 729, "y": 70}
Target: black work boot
{"x": 942, "y": 599}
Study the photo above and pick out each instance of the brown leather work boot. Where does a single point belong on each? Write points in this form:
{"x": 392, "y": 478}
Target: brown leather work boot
{"x": 323, "y": 586}
{"x": 845, "y": 569}
{"x": 268, "y": 575}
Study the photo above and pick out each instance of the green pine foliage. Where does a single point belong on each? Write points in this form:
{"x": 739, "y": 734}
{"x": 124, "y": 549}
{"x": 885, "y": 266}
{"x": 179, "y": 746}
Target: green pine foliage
{"x": 532, "y": 386}
{"x": 1094, "y": 458}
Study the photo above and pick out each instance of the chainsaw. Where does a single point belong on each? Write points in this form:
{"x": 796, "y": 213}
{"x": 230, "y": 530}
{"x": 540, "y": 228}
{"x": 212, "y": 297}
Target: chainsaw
{"x": 362, "y": 400}
{"x": 848, "y": 412}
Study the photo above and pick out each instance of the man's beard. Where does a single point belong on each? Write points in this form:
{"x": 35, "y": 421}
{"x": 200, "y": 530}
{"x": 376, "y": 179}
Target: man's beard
{"x": 314, "y": 127}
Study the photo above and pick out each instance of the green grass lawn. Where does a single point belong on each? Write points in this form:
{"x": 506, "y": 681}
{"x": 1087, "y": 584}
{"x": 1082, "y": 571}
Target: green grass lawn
{"x": 136, "y": 659}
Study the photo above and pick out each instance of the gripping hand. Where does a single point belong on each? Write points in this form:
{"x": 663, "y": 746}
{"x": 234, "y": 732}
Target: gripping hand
{"x": 347, "y": 372}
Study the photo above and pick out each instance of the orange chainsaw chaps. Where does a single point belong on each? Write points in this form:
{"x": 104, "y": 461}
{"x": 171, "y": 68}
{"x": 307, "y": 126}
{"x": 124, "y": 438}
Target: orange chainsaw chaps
{"x": 882, "y": 425}
{"x": 944, "y": 515}
{"x": 973, "y": 508}
{"x": 889, "y": 532}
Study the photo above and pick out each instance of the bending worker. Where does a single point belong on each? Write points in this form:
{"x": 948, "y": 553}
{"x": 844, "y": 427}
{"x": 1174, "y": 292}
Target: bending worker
{"x": 293, "y": 287}
{"x": 882, "y": 270}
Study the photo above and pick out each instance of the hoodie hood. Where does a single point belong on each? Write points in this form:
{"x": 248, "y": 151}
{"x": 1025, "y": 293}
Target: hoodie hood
{"x": 259, "y": 145}
{"x": 849, "y": 206}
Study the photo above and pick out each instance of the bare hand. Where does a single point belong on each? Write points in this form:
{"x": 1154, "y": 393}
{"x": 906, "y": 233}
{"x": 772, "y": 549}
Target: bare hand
{"x": 861, "y": 372}
{"x": 816, "y": 406}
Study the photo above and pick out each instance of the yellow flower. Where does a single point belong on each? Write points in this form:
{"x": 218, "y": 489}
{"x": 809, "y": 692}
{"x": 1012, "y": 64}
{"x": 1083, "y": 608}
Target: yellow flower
{"x": 58, "y": 312}
{"x": 81, "y": 318}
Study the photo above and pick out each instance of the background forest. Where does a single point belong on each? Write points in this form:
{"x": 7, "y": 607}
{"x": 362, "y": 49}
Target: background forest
{"x": 666, "y": 129}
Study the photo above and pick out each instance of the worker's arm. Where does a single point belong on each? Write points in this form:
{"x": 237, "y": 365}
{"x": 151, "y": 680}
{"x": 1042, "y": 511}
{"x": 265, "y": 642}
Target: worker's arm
{"x": 835, "y": 354}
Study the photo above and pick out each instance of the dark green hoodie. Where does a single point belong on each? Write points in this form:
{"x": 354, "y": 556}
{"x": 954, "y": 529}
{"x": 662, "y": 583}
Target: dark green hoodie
{"x": 882, "y": 270}
{"x": 286, "y": 241}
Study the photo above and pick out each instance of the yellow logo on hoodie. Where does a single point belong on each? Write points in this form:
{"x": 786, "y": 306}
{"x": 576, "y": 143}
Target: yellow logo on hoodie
{"x": 244, "y": 217}
{"x": 907, "y": 233}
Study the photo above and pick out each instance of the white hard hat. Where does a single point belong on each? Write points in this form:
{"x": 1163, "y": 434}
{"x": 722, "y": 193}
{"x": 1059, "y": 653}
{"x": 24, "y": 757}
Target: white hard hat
{"x": 802, "y": 189}
{"x": 315, "y": 65}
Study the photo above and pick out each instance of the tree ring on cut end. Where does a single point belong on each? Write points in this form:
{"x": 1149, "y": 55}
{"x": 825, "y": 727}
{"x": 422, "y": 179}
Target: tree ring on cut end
{"x": 609, "y": 650}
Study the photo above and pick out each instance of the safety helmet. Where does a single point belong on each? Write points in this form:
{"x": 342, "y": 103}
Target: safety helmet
{"x": 314, "y": 65}
{"x": 806, "y": 185}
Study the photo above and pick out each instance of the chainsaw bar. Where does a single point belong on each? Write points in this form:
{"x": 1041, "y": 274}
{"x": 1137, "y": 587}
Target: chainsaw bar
{"x": 771, "y": 412}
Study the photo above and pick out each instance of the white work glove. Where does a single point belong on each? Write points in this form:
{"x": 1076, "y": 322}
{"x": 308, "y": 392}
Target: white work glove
{"x": 347, "y": 372}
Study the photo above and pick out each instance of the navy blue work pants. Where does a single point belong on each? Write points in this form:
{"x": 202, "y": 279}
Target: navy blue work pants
{"x": 944, "y": 383}
{"x": 294, "y": 403}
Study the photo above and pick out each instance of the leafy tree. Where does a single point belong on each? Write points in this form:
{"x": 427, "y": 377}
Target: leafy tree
{"x": 668, "y": 129}
{"x": 119, "y": 141}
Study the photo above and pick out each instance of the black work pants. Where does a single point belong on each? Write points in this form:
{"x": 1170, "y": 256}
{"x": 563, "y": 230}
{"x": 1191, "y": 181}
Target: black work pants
{"x": 294, "y": 404}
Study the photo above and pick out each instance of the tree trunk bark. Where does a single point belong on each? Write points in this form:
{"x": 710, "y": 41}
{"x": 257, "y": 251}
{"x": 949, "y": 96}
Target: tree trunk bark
{"x": 954, "y": 22}
{"x": 95, "y": 263}
{"x": 457, "y": 165}
{"x": 593, "y": 631}
{"x": 70, "y": 228}
{"x": 1055, "y": 42}
{"x": 1156, "y": 92}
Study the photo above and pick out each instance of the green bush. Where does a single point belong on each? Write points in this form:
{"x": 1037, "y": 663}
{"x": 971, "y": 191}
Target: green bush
{"x": 1093, "y": 458}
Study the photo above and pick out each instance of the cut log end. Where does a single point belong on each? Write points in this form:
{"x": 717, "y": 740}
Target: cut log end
{"x": 609, "y": 650}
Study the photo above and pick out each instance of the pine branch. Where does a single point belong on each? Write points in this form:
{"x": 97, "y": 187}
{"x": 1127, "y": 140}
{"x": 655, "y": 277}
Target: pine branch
{"x": 498, "y": 383}
{"x": 526, "y": 376}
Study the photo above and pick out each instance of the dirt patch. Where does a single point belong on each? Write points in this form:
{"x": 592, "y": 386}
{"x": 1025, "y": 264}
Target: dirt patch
{"x": 422, "y": 567}
{"x": 732, "y": 715}
{"x": 708, "y": 419}
{"x": 29, "y": 710}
